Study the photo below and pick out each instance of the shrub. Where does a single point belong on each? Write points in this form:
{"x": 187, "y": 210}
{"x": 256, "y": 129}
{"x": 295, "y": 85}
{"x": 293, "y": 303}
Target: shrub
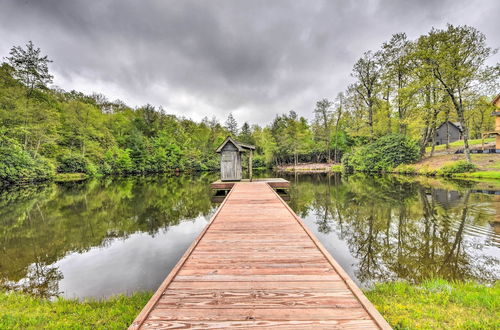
{"x": 405, "y": 169}
{"x": 117, "y": 161}
{"x": 460, "y": 166}
{"x": 337, "y": 168}
{"x": 259, "y": 161}
{"x": 18, "y": 165}
{"x": 383, "y": 154}
{"x": 72, "y": 163}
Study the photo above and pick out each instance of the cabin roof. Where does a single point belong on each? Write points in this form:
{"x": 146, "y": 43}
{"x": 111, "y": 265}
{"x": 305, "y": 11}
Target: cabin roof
{"x": 454, "y": 123}
{"x": 496, "y": 100}
{"x": 240, "y": 146}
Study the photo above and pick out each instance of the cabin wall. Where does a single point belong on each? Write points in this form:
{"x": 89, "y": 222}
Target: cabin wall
{"x": 441, "y": 137}
{"x": 230, "y": 163}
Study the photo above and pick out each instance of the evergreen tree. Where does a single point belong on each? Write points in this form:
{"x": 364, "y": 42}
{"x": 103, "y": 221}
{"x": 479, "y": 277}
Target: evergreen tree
{"x": 232, "y": 125}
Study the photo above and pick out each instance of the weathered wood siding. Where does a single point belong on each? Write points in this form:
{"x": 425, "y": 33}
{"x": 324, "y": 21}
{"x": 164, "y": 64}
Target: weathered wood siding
{"x": 441, "y": 134}
{"x": 230, "y": 163}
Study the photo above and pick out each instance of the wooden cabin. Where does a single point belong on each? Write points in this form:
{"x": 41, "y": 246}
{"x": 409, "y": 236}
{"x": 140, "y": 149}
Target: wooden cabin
{"x": 230, "y": 160}
{"x": 496, "y": 132}
{"x": 455, "y": 131}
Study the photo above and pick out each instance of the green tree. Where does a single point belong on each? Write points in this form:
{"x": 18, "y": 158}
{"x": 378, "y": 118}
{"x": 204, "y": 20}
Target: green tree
{"x": 232, "y": 125}
{"x": 246, "y": 134}
{"x": 456, "y": 58}
{"x": 366, "y": 71}
{"x": 30, "y": 67}
{"x": 397, "y": 68}
{"x": 323, "y": 124}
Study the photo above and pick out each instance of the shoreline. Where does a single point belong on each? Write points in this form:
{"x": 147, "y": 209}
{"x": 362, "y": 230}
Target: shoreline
{"x": 432, "y": 303}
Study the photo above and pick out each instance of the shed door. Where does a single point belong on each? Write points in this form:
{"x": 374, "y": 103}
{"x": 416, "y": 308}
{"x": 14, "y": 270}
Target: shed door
{"x": 229, "y": 163}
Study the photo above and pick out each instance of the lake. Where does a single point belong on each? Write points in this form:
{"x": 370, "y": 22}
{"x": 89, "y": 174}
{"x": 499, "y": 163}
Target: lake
{"x": 119, "y": 235}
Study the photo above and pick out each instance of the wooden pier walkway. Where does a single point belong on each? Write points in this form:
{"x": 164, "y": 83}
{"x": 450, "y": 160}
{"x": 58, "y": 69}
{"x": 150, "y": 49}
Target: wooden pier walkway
{"x": 256, "y": 265}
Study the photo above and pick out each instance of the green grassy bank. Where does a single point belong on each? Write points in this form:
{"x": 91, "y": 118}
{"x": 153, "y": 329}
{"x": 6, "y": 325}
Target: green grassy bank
{"x": 21, "y": 311}
{"x": 438, "y": 304}
{"x": 433, "y": 304}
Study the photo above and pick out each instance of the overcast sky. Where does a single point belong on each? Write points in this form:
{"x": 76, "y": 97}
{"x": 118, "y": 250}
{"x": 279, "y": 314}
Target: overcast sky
{"x": 202, "y": 58}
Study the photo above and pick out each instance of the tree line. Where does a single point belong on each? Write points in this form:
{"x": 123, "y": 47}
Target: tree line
{"x": 407, "y": 87}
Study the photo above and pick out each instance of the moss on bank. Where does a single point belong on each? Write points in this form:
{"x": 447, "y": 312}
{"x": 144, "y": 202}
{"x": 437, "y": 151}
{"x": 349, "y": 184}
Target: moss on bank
{"x": 433, "y": 304}
{"x": 67, "y": 177}
{"x": 438, "y": 304}
{"x": 21, "y": 311}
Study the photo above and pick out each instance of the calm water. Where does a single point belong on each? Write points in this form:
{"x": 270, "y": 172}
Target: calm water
{"x": 110, "y": 236}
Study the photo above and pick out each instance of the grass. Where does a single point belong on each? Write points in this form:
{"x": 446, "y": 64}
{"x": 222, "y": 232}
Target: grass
{"x": 433, "y": 304}
{"x": 66, "y": 177}
{"x": 480, "y": 175}
{"x": 438, "y": 304}
{"x": 460, "y": 143}
{"x": 21, "y": 311}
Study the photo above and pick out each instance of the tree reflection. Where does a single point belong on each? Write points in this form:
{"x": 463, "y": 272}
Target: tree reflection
{"x": 401, "y": 228}
{"x": 42, "y": 224}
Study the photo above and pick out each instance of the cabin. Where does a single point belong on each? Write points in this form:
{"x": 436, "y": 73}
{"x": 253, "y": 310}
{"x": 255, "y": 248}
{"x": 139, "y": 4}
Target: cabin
{"x": 496, "y": 132}
{"x": 455, "y": 129}
{"x": 230, "y": 160}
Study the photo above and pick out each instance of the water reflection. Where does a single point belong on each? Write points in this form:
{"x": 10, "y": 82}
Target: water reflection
{"x": 393, "y": 227}
{"x": 119, "y": 235}
{"x": 45, "y": 231}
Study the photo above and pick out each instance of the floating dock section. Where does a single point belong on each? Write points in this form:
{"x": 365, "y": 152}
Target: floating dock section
{"x": 256, "y": 265}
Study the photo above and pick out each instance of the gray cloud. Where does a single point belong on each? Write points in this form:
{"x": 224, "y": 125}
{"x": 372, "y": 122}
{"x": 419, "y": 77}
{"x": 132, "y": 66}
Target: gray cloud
{"x": 197, "y": 58}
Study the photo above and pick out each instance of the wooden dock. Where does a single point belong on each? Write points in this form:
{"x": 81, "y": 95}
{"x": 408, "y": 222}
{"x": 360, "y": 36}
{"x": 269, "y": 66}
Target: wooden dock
{"x": 256, "y": 265}
{"x": 276, "y": 183}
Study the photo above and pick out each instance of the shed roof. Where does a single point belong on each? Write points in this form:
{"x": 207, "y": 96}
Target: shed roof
{"x": 240, "y": 146}
{"x": 454, "y": 123}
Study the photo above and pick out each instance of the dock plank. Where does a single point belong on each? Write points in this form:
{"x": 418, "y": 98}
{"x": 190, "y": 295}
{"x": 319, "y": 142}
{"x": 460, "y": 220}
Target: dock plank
{"x": 256, "y": 265}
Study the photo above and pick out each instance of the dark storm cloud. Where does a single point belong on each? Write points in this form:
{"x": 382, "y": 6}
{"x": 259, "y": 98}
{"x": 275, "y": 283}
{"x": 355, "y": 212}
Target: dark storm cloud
{"x": 197, "y": 58}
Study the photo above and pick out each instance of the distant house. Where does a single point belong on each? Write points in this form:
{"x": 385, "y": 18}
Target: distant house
{"x": 496, "y": 101}
{"x": 455, "y": 129}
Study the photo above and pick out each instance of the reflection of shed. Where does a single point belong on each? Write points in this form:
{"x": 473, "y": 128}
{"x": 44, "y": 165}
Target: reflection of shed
{"x": 230, "y": 160}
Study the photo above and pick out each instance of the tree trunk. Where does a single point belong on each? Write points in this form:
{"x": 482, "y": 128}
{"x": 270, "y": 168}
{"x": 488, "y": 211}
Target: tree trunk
{"x": 447, "y": 118}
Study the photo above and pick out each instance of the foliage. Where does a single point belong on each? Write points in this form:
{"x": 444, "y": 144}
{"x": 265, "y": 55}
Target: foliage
{"x": 480, "y": 174}
{"x": 18, "y": 165}
{"x": 232, "y": 125}
{"x": 73, "y": 163}
{"x": 30, "y": 67}
{"x": 460, "y": 166}
{"x": 18, "y": 310}
{"x": 438, "y": 304}
{"x": 405, "y": 169}
{"x": 407, "y": 87}
{"x": 383, "y": 154}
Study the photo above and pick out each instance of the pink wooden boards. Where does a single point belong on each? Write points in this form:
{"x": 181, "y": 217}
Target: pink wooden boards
{"x": 256, "y": 265}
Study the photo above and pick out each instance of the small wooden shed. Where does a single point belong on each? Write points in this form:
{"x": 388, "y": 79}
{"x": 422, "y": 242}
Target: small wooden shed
{"x": 230, "y": 160}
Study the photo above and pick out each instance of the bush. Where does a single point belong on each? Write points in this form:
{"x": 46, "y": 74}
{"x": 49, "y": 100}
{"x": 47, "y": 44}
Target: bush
{"x": 117, "y": 161}
{"x": 259, "y": 161}
{"x": 461, "y": 166}
{"x": 405, "y": 169}
{"x": 383, "y": 154}
{"x": 18, "y": 165}
{"x": 73, "y": 163}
